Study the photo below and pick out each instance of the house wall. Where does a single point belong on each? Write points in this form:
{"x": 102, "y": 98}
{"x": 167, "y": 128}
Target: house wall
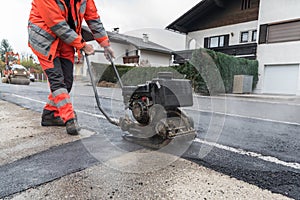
{"x": 119, "y": 50}
{"x": 154, "y": 59}
{"x": 282, "y": 53}
{"x": 147, "y": 58}
{"x": 233, "y": 30}
{"x": 278, "y": 10}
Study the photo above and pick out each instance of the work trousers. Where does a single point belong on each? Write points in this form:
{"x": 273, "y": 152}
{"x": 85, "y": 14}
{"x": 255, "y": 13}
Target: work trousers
{"x": 60, "y": 80}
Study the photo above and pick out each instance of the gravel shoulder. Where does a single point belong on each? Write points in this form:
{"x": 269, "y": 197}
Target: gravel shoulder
{"x": 22, "y": 135}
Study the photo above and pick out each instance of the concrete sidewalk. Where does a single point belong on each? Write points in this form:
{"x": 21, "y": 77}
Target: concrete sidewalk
{"x": 289, "y": 99}
{"x": 22, "y": 137}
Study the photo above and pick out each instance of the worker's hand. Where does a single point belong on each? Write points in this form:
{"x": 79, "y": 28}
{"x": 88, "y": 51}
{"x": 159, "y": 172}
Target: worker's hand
{"x": 88, "y": 49}
{"x": 109, "y": 53}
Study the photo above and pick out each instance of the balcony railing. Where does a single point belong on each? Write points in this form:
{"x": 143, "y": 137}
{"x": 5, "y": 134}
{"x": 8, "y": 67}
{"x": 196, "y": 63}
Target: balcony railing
{"x": 242, "y": 51}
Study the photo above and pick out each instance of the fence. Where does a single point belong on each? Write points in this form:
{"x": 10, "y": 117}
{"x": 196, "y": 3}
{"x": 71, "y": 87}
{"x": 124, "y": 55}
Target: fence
{"x": 39, "y": 77}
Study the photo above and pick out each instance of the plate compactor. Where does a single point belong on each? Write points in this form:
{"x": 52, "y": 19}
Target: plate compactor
{"x": 155, "y": 108}
{"x": 156, "y": 115}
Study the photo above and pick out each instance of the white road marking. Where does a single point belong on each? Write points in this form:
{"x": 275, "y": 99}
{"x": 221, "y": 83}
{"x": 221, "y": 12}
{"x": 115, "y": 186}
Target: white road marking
{"x": 42, "y": 102}
{"x": 243, "y": 116}
{"x": 251, "y": 154}
{"x": 227, "y": 148}
{"x": 262, "y": 119}
{"x": 91, "y": 114}
{"x": 27, "y": 98}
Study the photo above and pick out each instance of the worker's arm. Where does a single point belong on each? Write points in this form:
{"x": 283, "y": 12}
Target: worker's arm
{"x": 94, "y": 23}
{"x": 51, "y": 14}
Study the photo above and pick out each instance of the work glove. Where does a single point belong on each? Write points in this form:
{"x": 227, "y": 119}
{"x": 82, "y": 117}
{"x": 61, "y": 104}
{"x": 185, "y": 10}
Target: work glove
{"x": 109, "y": 53}
{"x": 88, "y": 49}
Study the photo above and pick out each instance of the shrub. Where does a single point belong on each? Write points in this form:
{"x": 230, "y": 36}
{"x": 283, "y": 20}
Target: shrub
{"x": 130, "y": 75}
{"x": 213, "y": 72}
{"x": 210, "y": 72}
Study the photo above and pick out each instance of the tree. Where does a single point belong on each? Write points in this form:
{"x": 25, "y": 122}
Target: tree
{"x": 4, "y": 47}
{"x": 2, "y": 66}
{"x": 31, "y": 65}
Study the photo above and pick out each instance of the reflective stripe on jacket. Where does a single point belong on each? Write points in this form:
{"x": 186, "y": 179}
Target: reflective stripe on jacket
{"x": 48, "y": 24}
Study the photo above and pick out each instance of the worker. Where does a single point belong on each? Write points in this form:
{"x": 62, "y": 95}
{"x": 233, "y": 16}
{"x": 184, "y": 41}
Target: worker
{"x": 54, "y": 35}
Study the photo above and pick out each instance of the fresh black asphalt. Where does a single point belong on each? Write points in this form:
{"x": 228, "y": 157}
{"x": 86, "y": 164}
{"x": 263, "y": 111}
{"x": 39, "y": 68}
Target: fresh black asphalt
{"x": 60, "y": 161}
{"x": 44, "y": 167}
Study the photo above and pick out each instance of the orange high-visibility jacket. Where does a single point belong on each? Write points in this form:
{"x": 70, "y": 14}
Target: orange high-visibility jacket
{"x": 48, "y": 24}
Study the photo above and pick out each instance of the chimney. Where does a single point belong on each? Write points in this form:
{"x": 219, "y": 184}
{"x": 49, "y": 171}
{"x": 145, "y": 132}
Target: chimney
{"x": 145, "y": 37}
{"x": 116, "y": 30}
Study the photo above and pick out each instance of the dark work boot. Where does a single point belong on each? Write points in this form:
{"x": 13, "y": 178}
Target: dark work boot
{"x": 48, "y": 119}
{"x": 72, "y": 127}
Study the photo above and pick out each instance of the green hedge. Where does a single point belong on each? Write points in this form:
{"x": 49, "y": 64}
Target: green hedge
{"x": 140, "y": 75}
{"x": 213, "y": 72}
{"x": 130, "y": 75}
{"x": 105, "y": 72}
{"x": 210, "y": 72}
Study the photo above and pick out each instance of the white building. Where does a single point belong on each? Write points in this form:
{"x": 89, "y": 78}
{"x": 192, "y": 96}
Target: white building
{"x": 279, "y": 47}
{"x": 266, "y": 30}
{"x": 129, "y": 50}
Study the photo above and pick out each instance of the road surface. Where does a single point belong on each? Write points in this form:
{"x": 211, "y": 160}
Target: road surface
{"x": 255, "y": 140}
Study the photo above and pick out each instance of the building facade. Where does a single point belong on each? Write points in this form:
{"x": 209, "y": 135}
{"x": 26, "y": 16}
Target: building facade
{"x": 266, "y": 30}
{"x": 279, "y": 47}
{"x": 129, "y": 50}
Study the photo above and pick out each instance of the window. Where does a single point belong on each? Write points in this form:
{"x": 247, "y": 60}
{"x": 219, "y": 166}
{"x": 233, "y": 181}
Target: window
{"x": 248, "y": 36}
{"x": 284, "y": 32}
{"x": 244, "y": 36}
{"x": 221, "y": 41}
{"x": 246, "y": 4}
{"x": 281, "y": 32}
{"x": 216, "y": 41}
{"x": 254, "y": 36}
{"x": 192, "y": 44}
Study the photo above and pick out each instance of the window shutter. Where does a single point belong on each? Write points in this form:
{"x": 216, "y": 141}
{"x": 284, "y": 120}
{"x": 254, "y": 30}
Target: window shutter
{"x": 206, "y": 40}
{"x": 284, "y": 32}
{"x": 226, "y": 40}
{"x": 263, "y": 29}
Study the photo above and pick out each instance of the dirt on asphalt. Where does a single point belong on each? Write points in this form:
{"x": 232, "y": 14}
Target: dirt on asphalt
{"x": 22, "y": 135}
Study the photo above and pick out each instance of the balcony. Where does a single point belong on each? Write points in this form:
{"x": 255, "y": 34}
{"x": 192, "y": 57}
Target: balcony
{"x": 247, "y": 51}
{"x": 243, "y": 50}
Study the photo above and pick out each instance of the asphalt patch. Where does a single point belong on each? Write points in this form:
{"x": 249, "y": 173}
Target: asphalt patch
{"x": 273, "y": 177}
{"x": 44, "y": 167}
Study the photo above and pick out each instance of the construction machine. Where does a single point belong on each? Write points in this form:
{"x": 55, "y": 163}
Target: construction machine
{"x": 14, "y": 72}
{"x": 155, "y": 118}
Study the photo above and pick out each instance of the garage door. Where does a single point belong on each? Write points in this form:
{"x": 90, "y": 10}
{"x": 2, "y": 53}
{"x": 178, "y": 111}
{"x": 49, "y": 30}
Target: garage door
{"x": 281, "y": 79}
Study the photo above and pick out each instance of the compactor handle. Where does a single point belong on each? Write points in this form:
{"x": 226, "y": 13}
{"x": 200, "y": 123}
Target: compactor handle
{"x": 112, "y": 121}
{"x": 111, "y": 60}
